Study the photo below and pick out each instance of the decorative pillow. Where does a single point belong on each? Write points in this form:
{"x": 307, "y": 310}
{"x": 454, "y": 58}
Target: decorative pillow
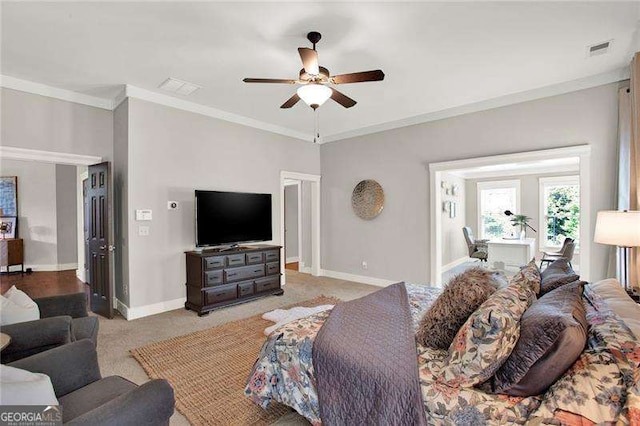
{"x": 22, "y": 387}
{"x": 487, "y": 338}
{"x": 557, "y": 274}
{"x": 16, "y": 306}
{"x": 459, "y": 299}
{"x": 553, "y": 333}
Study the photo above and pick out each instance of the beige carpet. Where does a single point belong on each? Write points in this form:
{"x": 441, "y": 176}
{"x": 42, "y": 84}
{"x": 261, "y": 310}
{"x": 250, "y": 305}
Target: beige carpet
{"x": 117, "y": 337}
{"x": 208, "y": 370}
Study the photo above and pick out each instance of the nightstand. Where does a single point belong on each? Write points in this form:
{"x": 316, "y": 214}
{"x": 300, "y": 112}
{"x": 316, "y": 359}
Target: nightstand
{"x": 11, "y": 253}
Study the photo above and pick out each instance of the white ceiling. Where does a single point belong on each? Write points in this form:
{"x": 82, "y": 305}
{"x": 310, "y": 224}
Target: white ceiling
{"x": 435, "y": 55}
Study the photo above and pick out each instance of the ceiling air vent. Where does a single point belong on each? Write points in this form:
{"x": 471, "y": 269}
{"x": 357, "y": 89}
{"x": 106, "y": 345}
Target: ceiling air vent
{"x": 599, "y": 48}
{"x": 180, "y": 87}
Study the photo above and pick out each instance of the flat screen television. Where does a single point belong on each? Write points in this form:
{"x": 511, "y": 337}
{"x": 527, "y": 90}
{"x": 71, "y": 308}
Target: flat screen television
{"x": 224, "y": 218}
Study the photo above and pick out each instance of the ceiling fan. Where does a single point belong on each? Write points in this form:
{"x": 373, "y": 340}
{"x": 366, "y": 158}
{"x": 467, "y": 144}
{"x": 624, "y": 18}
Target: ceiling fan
{"x": 315, "y": 80}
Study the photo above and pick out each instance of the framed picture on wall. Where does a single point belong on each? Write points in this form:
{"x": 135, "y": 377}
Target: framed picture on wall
{"x": 8, "y": 227}
{"x": 9, "y": 196}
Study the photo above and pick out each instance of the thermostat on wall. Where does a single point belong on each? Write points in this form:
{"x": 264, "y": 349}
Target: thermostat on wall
{"x": 144, "y": 214}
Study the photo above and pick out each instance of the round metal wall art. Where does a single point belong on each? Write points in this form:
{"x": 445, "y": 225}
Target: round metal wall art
{"x": 367, "y": 199}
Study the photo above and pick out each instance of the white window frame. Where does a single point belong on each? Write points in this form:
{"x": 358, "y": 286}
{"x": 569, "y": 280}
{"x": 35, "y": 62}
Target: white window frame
{"x": 498, "y": 184}
{"x": 543, "y": 182}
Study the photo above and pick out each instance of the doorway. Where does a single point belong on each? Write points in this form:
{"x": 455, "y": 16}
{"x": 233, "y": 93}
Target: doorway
{"x": 487, "y": 185}
{"x": 294, "y": 249}
{"x": 300, "y": 222}
{"x": 57, "y": 231}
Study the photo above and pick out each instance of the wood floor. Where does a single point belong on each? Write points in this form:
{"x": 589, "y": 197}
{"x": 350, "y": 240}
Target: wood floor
{"x": 292, "y": 266}
{"x": 43, "y": 284}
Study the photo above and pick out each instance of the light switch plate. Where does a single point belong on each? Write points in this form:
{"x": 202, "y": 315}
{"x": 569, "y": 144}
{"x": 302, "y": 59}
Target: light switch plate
{"x": 143, "y": 231}
{"x": 145, "y": 214}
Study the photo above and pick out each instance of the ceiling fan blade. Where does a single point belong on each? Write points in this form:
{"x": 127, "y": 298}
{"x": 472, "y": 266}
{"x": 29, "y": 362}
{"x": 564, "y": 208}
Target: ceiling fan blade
{"x": 342, "y": 99}
{"x": 269, "y": 80}
{"x": 309, "y": 60}
{"x": 291, "y": 101}
{"x": 358, "y": 77}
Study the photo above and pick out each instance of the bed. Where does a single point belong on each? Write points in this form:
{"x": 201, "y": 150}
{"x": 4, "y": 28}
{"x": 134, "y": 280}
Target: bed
{"x": 602, "y": 386}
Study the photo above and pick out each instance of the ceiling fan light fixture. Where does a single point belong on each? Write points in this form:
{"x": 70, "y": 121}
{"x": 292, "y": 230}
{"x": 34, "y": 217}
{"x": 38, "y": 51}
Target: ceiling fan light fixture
{"x": 314, "y": 94}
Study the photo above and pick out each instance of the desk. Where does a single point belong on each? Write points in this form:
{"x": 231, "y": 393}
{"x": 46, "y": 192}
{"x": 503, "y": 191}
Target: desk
{"x": 511, "y": 253}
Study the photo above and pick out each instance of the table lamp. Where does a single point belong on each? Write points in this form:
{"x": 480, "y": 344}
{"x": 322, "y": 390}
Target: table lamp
{"x": 619, "y": 228}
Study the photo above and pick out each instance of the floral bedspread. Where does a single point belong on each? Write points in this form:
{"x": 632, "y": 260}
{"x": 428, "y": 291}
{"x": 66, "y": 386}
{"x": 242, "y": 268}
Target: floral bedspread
{"x": 602, "y": 386}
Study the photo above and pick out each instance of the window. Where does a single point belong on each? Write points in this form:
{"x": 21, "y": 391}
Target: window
{"x": 559, "y": 210}
{"x": 493, "y": 199}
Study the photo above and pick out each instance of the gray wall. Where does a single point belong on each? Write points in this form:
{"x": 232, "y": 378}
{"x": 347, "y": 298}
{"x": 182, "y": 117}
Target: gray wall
{"x": 396, "y": 243}
{"x": 305, "y": 252}
{"x": 66, "y": 214}
{"x": 120, "y": 202}
{"x": 291, "y": 221}
{"x": 46, "y": 212}
{"x": 454, "y": 246}
{"x": 47, "y": 124}
{"x": 171, "y": 153}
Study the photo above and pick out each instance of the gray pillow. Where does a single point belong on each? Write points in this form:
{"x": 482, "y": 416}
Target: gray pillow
{"x": 557, "y": 274}
{"x": 553, "y": 334}
{"x": 462, "y": 296}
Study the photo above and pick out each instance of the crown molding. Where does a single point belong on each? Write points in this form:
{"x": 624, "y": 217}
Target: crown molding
{"x": 54, "y": 92}
{"x": 181, "y": 104}
{"x": 22, "y": 154}
{"x": 170, "y": 101}
{"x": 515, "y": 98}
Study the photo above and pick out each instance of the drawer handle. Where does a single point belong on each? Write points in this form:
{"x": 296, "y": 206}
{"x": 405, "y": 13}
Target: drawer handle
{"x": 232, "y": 275}
{"x": 257, "y": 270}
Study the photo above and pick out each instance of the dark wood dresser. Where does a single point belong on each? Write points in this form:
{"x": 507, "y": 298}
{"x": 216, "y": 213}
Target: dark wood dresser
{"x": 11, "y": 253}
{"x": 220, "y": 278}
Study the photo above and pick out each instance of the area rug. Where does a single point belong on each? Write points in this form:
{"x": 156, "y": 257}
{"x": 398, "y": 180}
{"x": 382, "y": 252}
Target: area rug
{"x": 208, "y": 370}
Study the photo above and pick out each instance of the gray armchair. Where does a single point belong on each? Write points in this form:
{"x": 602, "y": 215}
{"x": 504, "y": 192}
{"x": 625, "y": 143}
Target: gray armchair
{"x": 63, "y": 319}
{"x": 88, "y": 399}
{"x": 478, "y": 249}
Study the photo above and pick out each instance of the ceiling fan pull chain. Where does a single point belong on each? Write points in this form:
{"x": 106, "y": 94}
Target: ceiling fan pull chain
{"x": 316, "y": 132}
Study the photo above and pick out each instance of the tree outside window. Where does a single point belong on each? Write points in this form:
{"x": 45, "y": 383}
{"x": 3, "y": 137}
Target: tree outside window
{"x": 560, "y": 210}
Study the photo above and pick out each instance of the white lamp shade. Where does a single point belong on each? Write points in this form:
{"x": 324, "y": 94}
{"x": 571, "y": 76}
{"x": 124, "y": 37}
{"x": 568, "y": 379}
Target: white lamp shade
{"x": 314, "y": 94}
{"x": 618, "y": 228}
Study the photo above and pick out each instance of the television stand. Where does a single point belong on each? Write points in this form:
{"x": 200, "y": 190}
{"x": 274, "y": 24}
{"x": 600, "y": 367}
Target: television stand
{"x": 228, "y": 276}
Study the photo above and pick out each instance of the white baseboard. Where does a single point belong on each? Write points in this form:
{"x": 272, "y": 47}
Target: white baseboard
{"x": 455, "y": 263}
{"x": 122, "y": 308}
{"x": 357, "y": 278}
{"x": 131, "y": 313}
{"x": 52, "y": 268}
{"x": 293, "y": 259}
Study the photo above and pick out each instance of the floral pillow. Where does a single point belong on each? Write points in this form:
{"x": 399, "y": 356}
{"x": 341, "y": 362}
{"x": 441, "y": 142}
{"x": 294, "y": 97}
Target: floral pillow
{"x": 486, "y": 340}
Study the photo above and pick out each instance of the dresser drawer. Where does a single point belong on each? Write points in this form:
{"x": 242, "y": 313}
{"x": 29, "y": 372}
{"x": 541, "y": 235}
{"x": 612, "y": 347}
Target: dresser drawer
{"x": 245, "y": 289}
{"x": 235, "y": 260}
{"x": 253, "y": 258}
{"x": 243, "y": 273}
{"x": 213, "y": 277}
{"x": 214, "y": 262}
{"x": 272, "y": 255}
{"x": 266, "y": 284}
{"x": 273, "y": 268}
{"x": 221, "y": 294}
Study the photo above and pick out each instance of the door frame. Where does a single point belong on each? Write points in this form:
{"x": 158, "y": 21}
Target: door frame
{"x": 298, "y": 185}
{"x": 583, "y": 152}
{"x": 315, "y": 218}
